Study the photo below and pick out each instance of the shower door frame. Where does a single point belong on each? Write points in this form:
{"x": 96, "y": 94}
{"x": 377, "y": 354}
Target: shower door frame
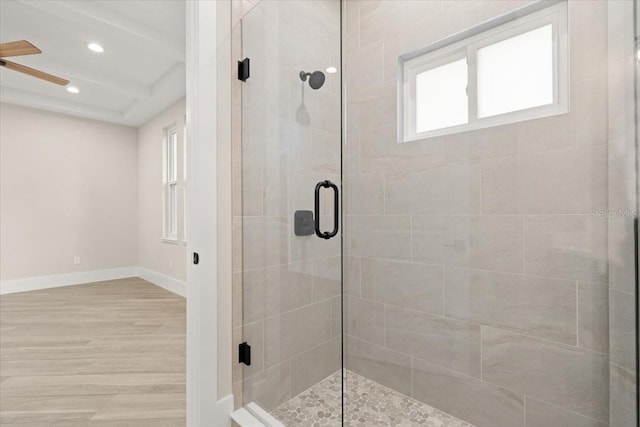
{"x": 237, "y": 56}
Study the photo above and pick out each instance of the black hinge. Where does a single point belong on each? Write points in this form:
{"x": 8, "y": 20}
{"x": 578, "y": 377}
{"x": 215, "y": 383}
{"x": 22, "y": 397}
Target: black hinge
{"x": 243, "y": 69}
{"x": 244, "y": 354}
{"x": 196, "y": 258}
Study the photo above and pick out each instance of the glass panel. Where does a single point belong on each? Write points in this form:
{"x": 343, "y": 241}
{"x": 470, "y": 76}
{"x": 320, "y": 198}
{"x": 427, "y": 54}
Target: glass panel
{"x": 490, "y": 274}
{"x": 516, "y": 73}
{"x": 291, "y": 278}
{"x": 441, "y": 97}
{"x": 173, "y": 159}
{"x": 173, "y": 203}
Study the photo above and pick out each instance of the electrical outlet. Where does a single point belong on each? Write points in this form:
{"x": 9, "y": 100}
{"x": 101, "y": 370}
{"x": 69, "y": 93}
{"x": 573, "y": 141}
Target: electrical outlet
{"x": 76, "y": 260}
{"x": 171, "y": 264}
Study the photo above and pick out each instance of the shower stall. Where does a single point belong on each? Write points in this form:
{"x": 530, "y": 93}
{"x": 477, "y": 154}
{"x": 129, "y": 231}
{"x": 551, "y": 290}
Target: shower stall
{"x": 435, "y": 208}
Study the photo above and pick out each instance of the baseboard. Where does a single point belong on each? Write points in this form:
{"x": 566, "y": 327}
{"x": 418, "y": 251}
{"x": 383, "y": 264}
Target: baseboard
{"x": 69, "y": 279}
{"x": 169, "y": 283}
{"x": 27, "y": 284}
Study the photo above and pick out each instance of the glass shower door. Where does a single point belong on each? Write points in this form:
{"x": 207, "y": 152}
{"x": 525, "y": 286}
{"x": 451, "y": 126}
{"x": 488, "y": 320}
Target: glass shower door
{"x": 489, "y": 262}
{"x": 291, "y": 179}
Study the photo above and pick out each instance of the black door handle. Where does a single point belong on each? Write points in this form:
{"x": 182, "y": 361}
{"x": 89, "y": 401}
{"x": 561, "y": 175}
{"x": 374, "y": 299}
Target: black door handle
{"x": 336, "y": 215}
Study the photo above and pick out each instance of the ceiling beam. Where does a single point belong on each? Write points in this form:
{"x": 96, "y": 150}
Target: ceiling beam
{"x": 168, "y": 89}
{"x": 124, "y": 87}
{"x": 79, "y": 75}
{"x": 87, "y": 12}
{"x": 41, "y": 102}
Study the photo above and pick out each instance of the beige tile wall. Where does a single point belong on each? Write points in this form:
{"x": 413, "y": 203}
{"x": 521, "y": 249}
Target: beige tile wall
{"x": 623, "y": 195}
{"x": 477, "y": 280}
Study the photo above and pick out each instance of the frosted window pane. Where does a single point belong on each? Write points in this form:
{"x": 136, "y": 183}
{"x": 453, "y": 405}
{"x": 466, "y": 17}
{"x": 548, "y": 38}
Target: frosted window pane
{"x": 516, "y": 73}
{"x": 441, "y": 97}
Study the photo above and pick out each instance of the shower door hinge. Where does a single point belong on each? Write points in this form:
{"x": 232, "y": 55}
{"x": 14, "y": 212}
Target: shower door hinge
{"x": 244, "y": 354}
{"x": 243, "y": 69}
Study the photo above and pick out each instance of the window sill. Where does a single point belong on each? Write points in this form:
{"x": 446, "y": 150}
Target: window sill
{"x": 168, "y": 240}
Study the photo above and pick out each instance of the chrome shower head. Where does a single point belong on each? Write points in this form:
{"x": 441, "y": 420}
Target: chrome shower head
{"x": 316, "y": 79}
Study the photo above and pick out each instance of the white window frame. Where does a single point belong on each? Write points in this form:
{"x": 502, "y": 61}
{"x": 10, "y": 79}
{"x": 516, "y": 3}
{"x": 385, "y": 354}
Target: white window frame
{"x": 184, "y": 182}
{"x": 467, "y": 45}
{"x": 170, "y": 185}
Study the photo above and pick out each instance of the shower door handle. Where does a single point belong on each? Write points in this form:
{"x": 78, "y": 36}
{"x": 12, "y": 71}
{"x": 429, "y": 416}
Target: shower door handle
{"x": 336, "y": 215}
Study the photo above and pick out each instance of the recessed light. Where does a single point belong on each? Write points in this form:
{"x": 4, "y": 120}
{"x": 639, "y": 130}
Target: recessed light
{"x": 332, "y": 70}
{"x": 73, "y": 89}
{"x": 95, "y": 47}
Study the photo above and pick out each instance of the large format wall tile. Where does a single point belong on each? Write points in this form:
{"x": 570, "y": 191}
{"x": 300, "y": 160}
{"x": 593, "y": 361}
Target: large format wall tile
{"x": 593, "y": 317}
{"x": 366, "y": 68}
{"x": 352, "y": 266}
{"x": 264, "y": 241}
{"x": 623, "y": 397}
{"x": 536, "y": 306}
{"x": 566, "y": 246}
{"x": 449, "y": 189}
{"x": 621, "y": 254}
{"x": 566, "y": 181}
{"x": 470, "y": 399}
{"x": 548, "y": 133}
{"x": 287, "y": 190}
{"x": 253, "y": 333}
{"x": 486, "y": 143}
{"x": 446, "y": 342}
{"x": 540, "y": 414}
{"x": 552, "y": 182}
{"x": 484, "y": 242}
{"x": 314, "y": 365}
{"x": 327, "y": 274}
{"x": 417, "y": 286}
{"x": 622, "y": 321}
{"x": 380, "y": 151}
{"x": 500, "y": 185}
{"x": 295, "y": 331}
{"x": 274, "y": 290}
{"x": 373, "y": 108}
{"x": 571, "y": 378}
{"x": 269, "y": 388}
{"x": 364, "y": 194}
{"x": 365, "y": 319}
{"x": 379, "y": 364}
{"x": 379, "y": 236}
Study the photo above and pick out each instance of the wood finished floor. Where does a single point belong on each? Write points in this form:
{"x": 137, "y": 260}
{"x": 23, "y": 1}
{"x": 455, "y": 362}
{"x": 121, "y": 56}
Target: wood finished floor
{"x": 101, "y": 354}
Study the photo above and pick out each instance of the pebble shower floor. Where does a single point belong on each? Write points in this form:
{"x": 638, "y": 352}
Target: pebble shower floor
{"x": 367, "y": 404}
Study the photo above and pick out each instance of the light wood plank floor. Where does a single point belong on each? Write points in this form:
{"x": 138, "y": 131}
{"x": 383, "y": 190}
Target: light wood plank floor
{"x": 101, "y": 354}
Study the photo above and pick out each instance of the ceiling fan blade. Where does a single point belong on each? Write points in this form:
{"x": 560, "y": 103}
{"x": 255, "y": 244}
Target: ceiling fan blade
{"x": 18, "y": 48}
{"x": 33, "y": 72}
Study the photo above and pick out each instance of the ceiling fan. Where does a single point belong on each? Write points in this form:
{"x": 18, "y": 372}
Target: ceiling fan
{"x": 23, "y": 47}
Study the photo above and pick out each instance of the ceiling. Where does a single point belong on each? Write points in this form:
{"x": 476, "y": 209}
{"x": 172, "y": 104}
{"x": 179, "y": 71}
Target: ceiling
{"x": 141, "y": 72}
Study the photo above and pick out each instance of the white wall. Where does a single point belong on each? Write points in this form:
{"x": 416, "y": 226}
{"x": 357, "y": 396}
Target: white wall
{"x": 67, "y": 189}
{"x": 209, "y": 351}
{"x": 154, "y": 253}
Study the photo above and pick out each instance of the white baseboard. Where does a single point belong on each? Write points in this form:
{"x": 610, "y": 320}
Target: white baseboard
{"x": 69, "y": 279}
{"x": 167, "y": 282}
{"x": 59, "y": 280}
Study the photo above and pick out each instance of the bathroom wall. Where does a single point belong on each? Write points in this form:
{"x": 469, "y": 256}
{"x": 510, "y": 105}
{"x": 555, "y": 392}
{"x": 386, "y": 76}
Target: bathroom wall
{"x": 622, "y": 200}
{"x": 476, "y": 273}
{"x": 286, "y": 140}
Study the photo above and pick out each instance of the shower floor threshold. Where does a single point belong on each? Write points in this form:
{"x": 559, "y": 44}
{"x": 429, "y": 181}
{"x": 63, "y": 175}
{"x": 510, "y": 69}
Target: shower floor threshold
{"x": 367, "y": 404}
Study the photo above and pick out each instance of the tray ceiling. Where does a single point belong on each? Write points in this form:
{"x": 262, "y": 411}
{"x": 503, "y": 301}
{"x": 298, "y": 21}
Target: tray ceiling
{"x": 141, "y": 72}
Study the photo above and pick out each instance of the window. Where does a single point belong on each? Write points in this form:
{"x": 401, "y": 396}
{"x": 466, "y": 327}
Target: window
{"x": 184, "y": 186}
{"x": 510, "y": 69}
{"x": 170, "y": 157}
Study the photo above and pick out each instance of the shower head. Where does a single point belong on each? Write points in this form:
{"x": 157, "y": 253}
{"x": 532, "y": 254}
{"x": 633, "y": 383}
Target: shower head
{"x": 316, "y": 79}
